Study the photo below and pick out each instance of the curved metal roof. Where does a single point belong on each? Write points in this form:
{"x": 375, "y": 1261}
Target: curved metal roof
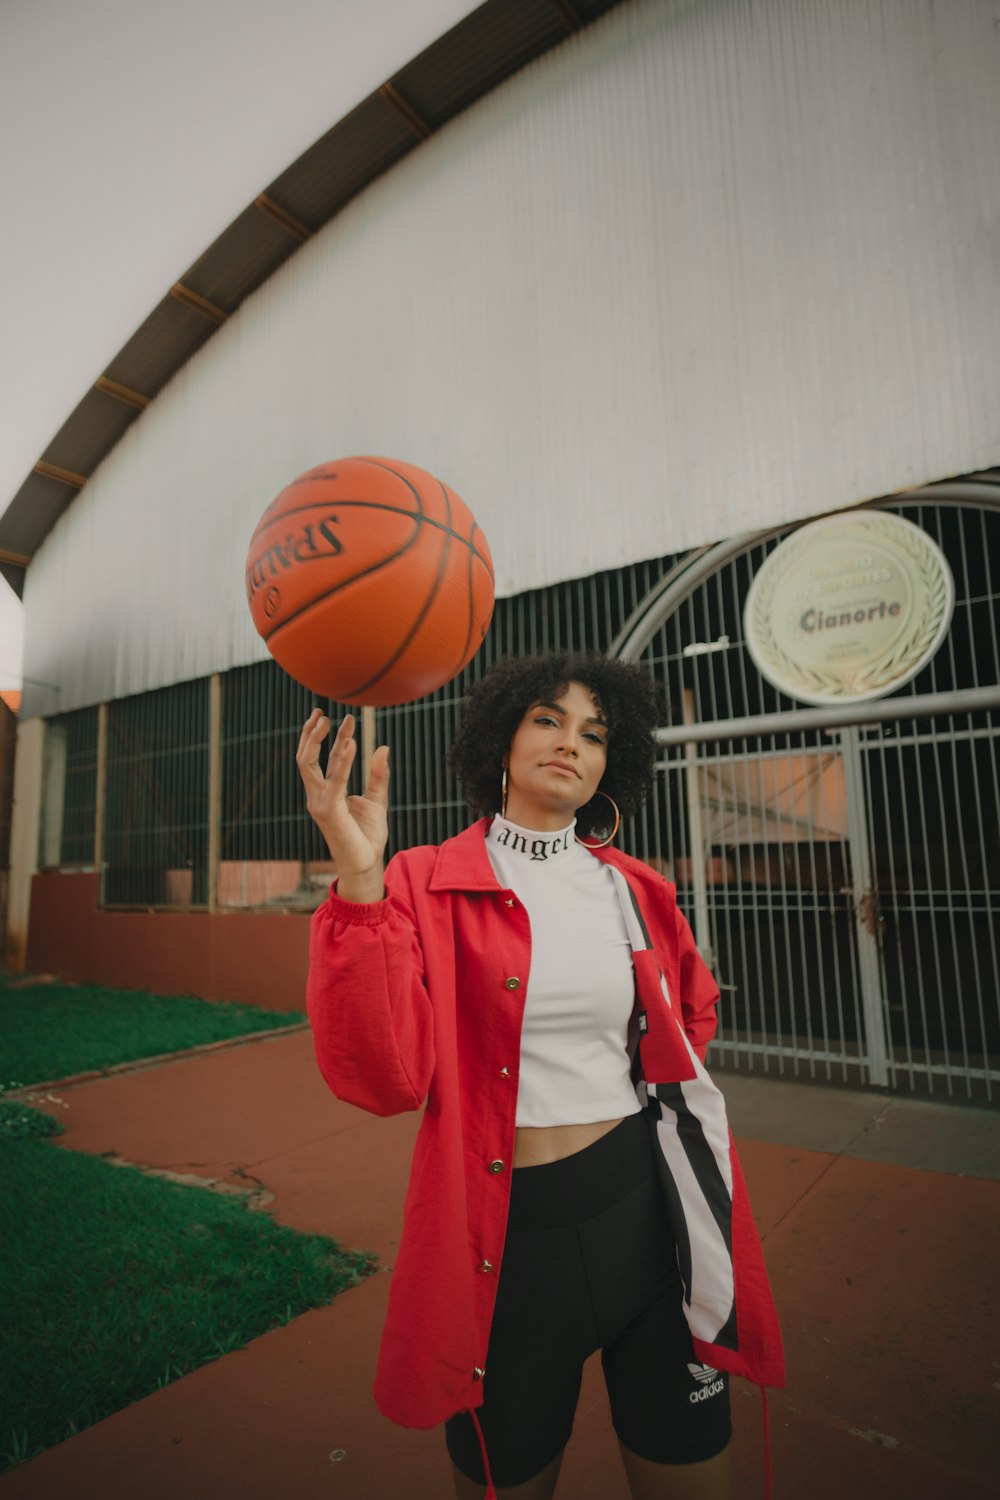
{"x": 472, "y": 58}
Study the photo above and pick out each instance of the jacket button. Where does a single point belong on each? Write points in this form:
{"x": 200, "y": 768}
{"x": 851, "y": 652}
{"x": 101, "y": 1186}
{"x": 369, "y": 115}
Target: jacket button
{"x": 496, "y": 1166}
{"x": 504, "y": 1072}
{"x": 478, "y": 1373}
{"x": 513, "y": 984}
{"x": 485, "y": 1267}
{"x": 509, "y": 901}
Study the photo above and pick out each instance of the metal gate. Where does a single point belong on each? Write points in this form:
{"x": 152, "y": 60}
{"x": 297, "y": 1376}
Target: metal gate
{"x": 840, "y": 866}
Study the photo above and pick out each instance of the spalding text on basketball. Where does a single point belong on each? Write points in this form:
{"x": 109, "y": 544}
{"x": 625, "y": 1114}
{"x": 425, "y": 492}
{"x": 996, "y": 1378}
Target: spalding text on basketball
{"x": 314, "y": 540}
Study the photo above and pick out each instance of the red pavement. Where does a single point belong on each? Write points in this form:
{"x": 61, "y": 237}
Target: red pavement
{"x": 884, "y": 1276}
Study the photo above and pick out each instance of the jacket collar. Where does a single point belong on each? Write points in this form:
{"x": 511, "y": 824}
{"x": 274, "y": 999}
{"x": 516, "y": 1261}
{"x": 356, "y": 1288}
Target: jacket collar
{"x": 462, "y": 863}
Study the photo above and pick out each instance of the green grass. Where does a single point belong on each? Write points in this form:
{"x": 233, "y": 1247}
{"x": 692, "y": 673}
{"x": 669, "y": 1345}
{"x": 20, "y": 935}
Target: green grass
{"x": 51, "y": 1031}
{"x": 116, "y": 1283}
{"x": 19, "y": 1122}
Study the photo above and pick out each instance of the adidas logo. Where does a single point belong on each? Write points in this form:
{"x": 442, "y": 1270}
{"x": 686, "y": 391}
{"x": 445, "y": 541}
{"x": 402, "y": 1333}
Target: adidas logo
{"x": 709, "y": 1380}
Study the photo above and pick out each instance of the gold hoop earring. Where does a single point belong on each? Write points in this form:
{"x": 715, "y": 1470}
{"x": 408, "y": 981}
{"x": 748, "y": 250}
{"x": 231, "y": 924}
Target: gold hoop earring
{"x": 618, "y": 818}
{"x": 503, "y": 793}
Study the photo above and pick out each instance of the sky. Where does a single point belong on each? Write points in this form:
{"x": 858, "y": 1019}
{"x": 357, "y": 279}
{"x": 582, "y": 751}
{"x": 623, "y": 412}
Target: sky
{"x": 131, "y": 134}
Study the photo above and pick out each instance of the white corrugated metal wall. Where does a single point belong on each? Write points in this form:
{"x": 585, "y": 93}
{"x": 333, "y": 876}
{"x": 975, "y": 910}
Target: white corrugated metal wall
{"x": 704, "y": 267}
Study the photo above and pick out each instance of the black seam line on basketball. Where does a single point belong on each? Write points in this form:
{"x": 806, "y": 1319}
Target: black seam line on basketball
{"x": 393, "y": 510}
{"x": 301, "y": 510}
{"x": 378, "y": 463}
{"x": 468, "y": 651}
{"x": 446, "y": 493}
{"x": 468, "y": 585}
{"x": 472, "y": 616}
{"x": 367, "y": 572}
{"x": 329, "y": 593}
{"x": 415, "y": 627}
{"x": 375, "y": 464}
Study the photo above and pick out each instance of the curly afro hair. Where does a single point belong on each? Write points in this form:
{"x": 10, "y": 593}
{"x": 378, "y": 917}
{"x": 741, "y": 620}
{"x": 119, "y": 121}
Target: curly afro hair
{"x": 494, "y": 707}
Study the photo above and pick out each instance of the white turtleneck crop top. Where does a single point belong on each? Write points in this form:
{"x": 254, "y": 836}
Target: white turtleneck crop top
{"x": 574, "y": 1038}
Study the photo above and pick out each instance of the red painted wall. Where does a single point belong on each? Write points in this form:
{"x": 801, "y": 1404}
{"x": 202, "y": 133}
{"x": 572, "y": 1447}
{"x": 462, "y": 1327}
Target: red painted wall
{"x": 260, "y": 958}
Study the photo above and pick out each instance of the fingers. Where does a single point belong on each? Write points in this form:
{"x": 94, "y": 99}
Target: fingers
{"x": 314, "y": 731}
{"x": 343, "y": 753}
{"x": 378, "y": 777}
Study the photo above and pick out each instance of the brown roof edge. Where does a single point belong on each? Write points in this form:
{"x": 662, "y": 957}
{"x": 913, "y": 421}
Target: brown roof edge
{"x": 480, "y": 51}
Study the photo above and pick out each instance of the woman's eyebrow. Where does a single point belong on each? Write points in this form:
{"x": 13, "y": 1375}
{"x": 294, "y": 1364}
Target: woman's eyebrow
{"x": 557, "y": 710}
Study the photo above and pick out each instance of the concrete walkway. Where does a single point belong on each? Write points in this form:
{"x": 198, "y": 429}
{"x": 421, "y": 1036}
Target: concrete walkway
{"x": 881, "y": 1226}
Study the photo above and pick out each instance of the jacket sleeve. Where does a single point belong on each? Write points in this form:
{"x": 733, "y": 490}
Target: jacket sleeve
{"x": 368, "y": 1004}
{"x": 699, "y": 993}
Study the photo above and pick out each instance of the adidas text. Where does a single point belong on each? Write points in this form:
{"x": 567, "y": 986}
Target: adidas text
{"x": 707, "y": 1391}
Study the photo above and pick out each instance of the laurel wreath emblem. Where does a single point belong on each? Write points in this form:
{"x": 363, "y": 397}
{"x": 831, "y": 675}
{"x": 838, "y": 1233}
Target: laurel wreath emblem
{"x": 935, "y": 594}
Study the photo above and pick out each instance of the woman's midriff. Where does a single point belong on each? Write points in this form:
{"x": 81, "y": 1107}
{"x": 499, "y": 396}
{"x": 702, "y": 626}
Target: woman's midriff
{"x": 534, "y": 1145}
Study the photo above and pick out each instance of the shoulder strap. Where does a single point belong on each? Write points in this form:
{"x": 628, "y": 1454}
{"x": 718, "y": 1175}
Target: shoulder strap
{"x": 691, "y": 1132}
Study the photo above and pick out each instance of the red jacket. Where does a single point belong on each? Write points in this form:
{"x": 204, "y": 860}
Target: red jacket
{"x": 419, "y": 997}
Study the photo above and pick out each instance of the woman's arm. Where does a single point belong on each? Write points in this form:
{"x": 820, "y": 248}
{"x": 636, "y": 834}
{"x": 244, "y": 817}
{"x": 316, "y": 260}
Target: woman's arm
{"x": 368, "y": 1004}
{"x": 366, "y": 994}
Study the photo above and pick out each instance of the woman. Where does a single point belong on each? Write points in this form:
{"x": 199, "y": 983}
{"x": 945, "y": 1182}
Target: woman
{"x": 573, "y": 1185}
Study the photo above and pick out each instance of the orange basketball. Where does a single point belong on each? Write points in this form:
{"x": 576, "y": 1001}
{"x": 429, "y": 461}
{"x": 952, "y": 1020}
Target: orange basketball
{"x": 370, "y": 581}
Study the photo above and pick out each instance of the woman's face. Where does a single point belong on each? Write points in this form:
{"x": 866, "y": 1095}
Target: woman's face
{"x": 556, "y": 759}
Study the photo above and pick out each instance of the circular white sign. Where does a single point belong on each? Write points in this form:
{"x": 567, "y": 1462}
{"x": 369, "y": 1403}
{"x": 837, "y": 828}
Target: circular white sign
{"x": 848, "y": 608}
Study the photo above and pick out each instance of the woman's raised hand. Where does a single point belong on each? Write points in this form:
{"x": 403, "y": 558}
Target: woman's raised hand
{"x": 356, "y": 829}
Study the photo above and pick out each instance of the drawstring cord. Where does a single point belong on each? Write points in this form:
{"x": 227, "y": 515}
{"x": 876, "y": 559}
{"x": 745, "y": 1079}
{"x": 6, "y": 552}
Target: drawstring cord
{"x": 491, "y": 1493}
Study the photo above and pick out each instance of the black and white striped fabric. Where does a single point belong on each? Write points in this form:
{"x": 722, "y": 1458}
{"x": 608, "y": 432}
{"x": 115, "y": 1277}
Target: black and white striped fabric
{"x": 692, "y": 1133}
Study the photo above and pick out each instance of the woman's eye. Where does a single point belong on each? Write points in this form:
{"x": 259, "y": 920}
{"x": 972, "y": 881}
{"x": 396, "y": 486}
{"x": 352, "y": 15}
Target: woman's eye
{"x": 598, "y": 739}
{"x": 545, "y": 719}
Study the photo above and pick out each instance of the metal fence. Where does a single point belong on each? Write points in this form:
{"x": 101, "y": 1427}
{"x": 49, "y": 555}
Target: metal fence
{"x": 195, "y": 800}
{"x": 156, "y": 822}
{"x": 843, "y": 879}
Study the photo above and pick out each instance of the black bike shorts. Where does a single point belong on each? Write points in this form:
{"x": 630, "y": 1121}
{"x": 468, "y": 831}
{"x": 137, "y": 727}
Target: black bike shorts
{"x": 590, "y": 1263}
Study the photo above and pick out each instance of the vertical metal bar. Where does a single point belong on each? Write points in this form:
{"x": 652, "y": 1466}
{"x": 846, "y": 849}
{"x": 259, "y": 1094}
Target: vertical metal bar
{"x": 740, "y": 657}
{"x": 988, "y": 552}
{"x": 824, "y": 883}
{"x": 957, "y": 783}
{"x": 993, "y": 923}
{"x": 159, "y": 836}
{"x": 862, "y": 893}
{"x": 940, "y": 991}
{"x": 736, "y": 920}
{"x": 993, "y": 967}
{"x": 368, "y": 732}
{"x": 100, "y": 797}
{"x": 967, "y": 601}
{"x": 702, "y": 934}
{"x": 214, "y": 787}
{"x": 406, "y": 832}
{"x": 756, "y": 951}
{"x": 913, "y": 912}
{"x": 767, "y": 906}
{"x": 424, "y": 790}
{"x": 895, "y": 896}
{"x": 782, "y": 949}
